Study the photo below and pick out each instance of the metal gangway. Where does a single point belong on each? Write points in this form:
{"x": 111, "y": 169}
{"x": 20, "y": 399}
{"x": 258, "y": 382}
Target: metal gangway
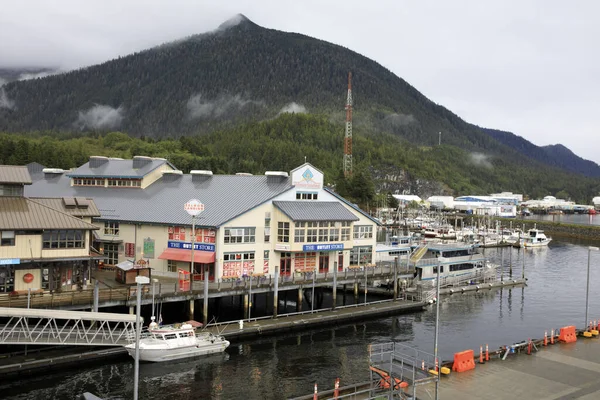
{"x": 31, "y": 326}
{"x": 401, "y": 371}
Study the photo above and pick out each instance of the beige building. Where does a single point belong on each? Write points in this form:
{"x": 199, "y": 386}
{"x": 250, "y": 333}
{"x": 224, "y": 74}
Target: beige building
{"x": 250, "y": 224}
{"x": 44, "y": 242}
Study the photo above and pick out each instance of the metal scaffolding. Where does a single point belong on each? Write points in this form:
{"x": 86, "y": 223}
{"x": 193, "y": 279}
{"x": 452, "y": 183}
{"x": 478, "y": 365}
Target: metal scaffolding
{"x": 58, "y": 327}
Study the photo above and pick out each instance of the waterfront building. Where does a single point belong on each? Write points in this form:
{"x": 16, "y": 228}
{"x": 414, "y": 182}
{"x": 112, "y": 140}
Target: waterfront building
{"x": 250, "y": 224}
{"x": 45, "y": 243}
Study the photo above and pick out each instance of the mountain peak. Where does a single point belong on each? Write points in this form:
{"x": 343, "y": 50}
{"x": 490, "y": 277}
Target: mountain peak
{"x": 234, "y": 21}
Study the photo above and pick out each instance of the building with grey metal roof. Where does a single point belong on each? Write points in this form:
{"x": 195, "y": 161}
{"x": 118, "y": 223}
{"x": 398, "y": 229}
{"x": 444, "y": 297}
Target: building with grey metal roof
{"x": 45, "y": 244}
{"x": 249, "y": 224}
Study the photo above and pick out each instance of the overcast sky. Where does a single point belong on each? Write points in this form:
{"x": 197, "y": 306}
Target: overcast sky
{"x": 529, "y": 67}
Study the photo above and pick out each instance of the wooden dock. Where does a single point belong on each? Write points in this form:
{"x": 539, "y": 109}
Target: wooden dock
{"x": 307, "y": 320}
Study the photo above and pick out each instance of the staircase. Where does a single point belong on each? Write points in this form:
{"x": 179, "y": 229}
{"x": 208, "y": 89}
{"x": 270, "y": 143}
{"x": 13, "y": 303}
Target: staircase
{"x": 418, "y": 253}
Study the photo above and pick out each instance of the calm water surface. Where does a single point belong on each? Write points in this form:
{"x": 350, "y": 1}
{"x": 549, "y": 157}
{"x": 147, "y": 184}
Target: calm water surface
{"x": 276, "y": 368}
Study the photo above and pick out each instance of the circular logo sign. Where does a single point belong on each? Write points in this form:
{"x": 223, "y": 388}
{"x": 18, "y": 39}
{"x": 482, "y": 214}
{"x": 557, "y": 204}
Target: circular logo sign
{"x": 193, "y": 207}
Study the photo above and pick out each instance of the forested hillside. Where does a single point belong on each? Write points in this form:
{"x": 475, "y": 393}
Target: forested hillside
{"x": 554, "y": 155}
{"x": 284, "y": 142}
{"x": 235, "y": 74}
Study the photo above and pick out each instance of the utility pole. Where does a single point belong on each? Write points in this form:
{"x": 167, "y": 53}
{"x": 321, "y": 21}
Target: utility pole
{"x": 348, "y": 133}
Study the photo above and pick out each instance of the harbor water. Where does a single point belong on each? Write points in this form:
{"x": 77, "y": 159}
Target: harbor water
{"x": 285, "y": 366}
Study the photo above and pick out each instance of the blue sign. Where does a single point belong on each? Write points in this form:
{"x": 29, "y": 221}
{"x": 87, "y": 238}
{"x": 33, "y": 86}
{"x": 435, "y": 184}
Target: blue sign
{"x": 323, "y": 247}
{"x": 188, "y": 246}
{"x": 10, "y": 261}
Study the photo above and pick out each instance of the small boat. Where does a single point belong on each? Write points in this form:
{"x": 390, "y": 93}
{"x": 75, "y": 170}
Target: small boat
{"x": 177, "y": 341}
{"x": 535, "y": 238}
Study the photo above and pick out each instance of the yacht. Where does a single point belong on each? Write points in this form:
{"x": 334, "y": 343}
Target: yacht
{"x": 462, "y": 263}
{"x": 535, "y": 238}
{"x": 177, "y": 341}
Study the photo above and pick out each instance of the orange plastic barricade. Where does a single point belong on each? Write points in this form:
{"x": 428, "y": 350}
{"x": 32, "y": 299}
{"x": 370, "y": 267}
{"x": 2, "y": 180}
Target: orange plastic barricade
{"x": 463, "y": 361}
{"x": 567, "y": 334}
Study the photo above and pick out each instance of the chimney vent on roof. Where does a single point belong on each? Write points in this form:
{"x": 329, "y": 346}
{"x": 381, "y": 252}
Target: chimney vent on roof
{"x": 173, "y": 172}
{"x": 282, "y": 174}
{"x": 243, "y": 174}
{"x": 96, "y": 161}
{"x": 140, "y": 161}
{"x": 201, "y": 172}
{"x": 53, "y": 171}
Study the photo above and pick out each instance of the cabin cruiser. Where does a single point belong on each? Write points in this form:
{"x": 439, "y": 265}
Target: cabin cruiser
{"x": 535, "y": 238}
{"x": 177, "y": 341}
{"x": 459, "y": 263}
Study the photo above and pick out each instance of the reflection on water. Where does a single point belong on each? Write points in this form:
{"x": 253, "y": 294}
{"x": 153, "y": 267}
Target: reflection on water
{"x": 289, "y": 365}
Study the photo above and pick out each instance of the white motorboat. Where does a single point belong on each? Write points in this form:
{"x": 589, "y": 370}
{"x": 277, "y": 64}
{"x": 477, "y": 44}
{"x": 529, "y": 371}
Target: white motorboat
{"x": 535, "y": 238}
{"x": 461, "y": 263}
{"x": 177, "y": 341}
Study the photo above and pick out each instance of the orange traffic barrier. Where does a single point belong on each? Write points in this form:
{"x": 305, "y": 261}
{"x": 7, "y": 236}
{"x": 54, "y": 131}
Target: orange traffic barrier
{"x": 463, "y": 361}
{"x": 336, "y": 388}
{"x": 567, "y": 334}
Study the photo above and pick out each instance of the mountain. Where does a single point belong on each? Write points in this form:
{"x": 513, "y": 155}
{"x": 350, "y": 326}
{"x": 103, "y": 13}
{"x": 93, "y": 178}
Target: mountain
{"x": 24, "y": 73}
{"x": 227, "y": 82}
{"x": 240, "y": 72}
{"x": 555, "y": 155}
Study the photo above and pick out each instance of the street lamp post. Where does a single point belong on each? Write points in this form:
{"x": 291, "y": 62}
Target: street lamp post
{"x": 441, "y": 261}
{"x": 587, "y": 290}
{"x": 139, "y": 280}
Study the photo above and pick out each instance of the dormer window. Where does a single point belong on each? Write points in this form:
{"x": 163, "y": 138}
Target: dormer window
{"x": 11, "y": 190}
{"x": 306, "y": 195}
{"x": 124, "y": 183}
{"x": 88, "y": 182}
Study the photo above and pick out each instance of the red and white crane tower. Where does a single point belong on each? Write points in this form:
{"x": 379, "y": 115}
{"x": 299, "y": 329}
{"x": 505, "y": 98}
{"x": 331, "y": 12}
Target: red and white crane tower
{"x": 348, "y": 134}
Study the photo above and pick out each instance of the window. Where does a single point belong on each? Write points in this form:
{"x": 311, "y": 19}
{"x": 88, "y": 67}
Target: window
{"x": 299, "y": 232}
{"x": 334, "y": 235}
{"x": 172, "y": 266}
{"x": 11, "y": 190}
{"x": 283, "y": 232}
{"x": 239, "y": 235}
{"x": 88, "y": 182}
{"x": 267, "y": 230}
{"x": 111, "y": 253}
{"x": 111, "y": 228}
{"x": 311, "y": 232}
{"x": 125, "y": 182}
{"x": 7, "y": 238}
{"x": 306, "y": 195}
{"x": 361, "y": 255}
{"x": 266, "y": 255}
{"x": 323, "y": 234}
{"x": 345, "y": 234}
{"x": 238, "y": 256}
{"x": 63, "y": 239}
{"x": 363, "y": 231}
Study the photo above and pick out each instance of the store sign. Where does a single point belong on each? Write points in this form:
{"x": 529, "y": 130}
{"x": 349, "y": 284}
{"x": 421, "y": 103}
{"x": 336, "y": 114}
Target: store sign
{"x": 323, "y": 247}
{"x": 283, "y": 247}
{"x": 10, "y": 261}
{"x": 307, "y": 178}
{"x": 188, "y": 246}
